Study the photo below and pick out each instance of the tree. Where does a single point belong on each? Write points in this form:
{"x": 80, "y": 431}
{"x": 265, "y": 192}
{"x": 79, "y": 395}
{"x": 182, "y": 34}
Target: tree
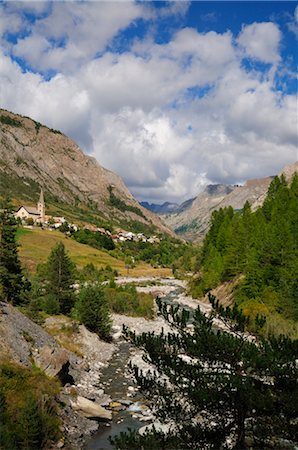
{"x": 60, "y": 278}
{"x": 93, "y": 311}
{"x": 260, "y": 249}
{"x": 13, "y": 284}
{"x": 30, "y": 425}
{"x": 213, "y": 385}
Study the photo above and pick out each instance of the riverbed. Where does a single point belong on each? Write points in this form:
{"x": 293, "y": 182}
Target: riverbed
{"x": 130, "y": 409}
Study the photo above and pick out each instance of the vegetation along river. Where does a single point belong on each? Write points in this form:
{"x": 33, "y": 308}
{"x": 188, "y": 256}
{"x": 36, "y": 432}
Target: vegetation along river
{"x": 129, "y": 406}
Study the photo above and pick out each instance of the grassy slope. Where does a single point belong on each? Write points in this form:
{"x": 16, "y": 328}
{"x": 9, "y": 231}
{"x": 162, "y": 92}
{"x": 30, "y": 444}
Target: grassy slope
{"x": 36, "y": 245}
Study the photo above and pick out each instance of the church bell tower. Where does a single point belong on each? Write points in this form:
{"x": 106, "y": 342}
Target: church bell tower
{"x": 41, "y": 207}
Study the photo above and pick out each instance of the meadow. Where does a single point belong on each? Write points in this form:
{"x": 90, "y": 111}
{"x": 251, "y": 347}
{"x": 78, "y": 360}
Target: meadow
{"x": 35, "y": 246}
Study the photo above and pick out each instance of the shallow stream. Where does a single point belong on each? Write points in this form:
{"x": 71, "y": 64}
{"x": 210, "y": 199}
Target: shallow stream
{"x": 115, "y": 384}
{"x": 119, "y": 387}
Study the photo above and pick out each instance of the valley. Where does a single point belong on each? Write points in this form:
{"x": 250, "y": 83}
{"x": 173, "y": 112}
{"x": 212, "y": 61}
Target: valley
{"x": 122, "y": 323}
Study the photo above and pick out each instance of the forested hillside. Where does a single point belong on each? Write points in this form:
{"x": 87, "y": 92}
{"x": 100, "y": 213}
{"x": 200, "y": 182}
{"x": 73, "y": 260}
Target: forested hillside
{"x": 261, "y": 249}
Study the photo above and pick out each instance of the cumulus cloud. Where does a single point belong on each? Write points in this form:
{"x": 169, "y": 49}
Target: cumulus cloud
{"x": 261, "y": 41}
{"x": 168, "y": 117}
{"x": 75, "y": 32}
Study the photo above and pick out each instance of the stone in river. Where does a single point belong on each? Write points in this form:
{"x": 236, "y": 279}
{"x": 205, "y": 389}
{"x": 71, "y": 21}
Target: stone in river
{"x": 125, "y": 402}
{"x": 90, "y": 409}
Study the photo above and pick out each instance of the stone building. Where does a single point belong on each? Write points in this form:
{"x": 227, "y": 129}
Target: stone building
{"x": 29, "y": 212}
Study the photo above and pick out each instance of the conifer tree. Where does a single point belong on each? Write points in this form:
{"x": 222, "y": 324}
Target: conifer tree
{"x": 94, "y": 312}
{"x": 60, "y": 278}
{"x": 212, "y": 385}
{"x": 30, "y": 433}
{"x": 260, "y": 249}
{"x": 12, "y": 281}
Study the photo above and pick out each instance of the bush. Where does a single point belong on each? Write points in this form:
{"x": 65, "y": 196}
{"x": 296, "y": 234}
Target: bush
{"x": 126, "y": 300}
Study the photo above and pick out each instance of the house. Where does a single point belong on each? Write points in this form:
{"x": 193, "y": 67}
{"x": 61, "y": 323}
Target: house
{"x": 29, "y": 212}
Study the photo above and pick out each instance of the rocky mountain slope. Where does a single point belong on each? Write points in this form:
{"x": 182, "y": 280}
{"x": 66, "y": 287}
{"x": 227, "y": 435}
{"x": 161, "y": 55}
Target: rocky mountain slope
{"x": 192, "y": 221}
{"x": 26, "y": 344}
{"x": 34, "y": 156}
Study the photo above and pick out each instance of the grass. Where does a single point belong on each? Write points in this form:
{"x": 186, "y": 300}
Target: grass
{"x": 65, "y": 334}
{"x": 36, "y": 245}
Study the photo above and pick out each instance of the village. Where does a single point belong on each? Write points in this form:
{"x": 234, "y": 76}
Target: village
{"x": 30, "y": 216}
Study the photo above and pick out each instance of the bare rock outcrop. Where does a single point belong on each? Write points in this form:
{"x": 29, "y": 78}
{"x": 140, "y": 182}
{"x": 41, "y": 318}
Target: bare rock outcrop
{"x": 54, "y": 362}
{"x": 33, "y": 156}
{"x": 20, "y": 337}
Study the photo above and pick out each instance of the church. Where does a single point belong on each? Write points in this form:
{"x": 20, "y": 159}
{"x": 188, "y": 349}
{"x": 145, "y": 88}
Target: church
{"x": 29, "y": 212}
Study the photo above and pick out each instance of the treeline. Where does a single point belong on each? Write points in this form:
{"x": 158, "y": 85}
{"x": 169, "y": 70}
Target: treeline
{"x": 116, "y": 202}
{"x": 96, "y": 240}
{"x": 260, "y": 248}
{"x": 168, "y": 252}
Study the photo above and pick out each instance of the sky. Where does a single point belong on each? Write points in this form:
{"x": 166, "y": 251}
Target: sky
{"x": 169, "y": 95}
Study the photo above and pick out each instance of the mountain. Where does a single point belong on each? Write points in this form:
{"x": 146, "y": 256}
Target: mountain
{"x": 192, "y": 221}
{"x": 75, "y": 185}
{"x": 165, "y": 208}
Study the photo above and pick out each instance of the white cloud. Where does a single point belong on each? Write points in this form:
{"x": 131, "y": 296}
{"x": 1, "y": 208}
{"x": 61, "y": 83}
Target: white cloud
{"x": 261, "y": 41}
{"x": 293, "y": 23}
{"x": 145, "y": 113}
{"x": 75, "y": 32}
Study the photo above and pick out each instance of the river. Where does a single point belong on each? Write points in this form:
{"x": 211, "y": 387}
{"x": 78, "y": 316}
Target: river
{"x": 119, "y": 385}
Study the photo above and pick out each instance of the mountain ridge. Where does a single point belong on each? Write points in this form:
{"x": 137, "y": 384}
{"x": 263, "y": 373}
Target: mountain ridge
{"x": 192, "y": 222}
{"x": 163, "y": 208}
{"x": 33, "y": 156}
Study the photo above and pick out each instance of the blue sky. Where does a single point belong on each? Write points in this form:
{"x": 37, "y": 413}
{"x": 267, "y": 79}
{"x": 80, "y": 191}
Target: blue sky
{"x": 170, "y": 95}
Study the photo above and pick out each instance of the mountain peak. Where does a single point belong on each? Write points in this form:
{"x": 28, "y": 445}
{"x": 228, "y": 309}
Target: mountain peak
{"x": 192, "y": 222}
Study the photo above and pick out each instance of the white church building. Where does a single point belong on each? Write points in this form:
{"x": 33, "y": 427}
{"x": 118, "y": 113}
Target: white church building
{"x": 36, "y": 214}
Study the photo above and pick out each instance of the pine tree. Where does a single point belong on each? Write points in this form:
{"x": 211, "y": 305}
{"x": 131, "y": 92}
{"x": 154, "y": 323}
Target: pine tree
{"x": 93, "y": 310}
{"x": 30, "y": 433}
{"x": 212, "y": 385}
{"x": 13, "y": 284}
{"x": 60, "y": 278}
{"x": 261, "y": 247}
{"x": 3, "y": 419}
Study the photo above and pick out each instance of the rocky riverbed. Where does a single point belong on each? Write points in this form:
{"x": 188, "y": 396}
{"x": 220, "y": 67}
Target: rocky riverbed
{"x": 128, "y": 407}
{"x": 99, "y": 396}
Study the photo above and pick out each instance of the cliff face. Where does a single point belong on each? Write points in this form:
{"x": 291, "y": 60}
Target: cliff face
{"x": 34, "y": 156}
{"x": 192, "y": 222}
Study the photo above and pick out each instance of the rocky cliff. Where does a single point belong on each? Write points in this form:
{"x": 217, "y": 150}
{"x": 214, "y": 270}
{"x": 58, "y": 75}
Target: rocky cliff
{"x": 193, "y": 221}
{"x": 33, "y": 156}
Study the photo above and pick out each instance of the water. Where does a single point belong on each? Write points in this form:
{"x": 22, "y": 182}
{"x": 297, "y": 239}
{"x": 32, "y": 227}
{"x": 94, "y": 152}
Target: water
{"x": 115, "y": 384}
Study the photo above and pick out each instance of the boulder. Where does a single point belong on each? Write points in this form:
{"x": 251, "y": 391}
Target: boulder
{"x": 90, "y": 409}
{"x": 54, "y": 362}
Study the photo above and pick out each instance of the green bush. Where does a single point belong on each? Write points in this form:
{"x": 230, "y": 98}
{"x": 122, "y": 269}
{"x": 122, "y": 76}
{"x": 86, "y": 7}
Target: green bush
{"x": 7, "y": 120}
{"x": 126, "y": 300}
